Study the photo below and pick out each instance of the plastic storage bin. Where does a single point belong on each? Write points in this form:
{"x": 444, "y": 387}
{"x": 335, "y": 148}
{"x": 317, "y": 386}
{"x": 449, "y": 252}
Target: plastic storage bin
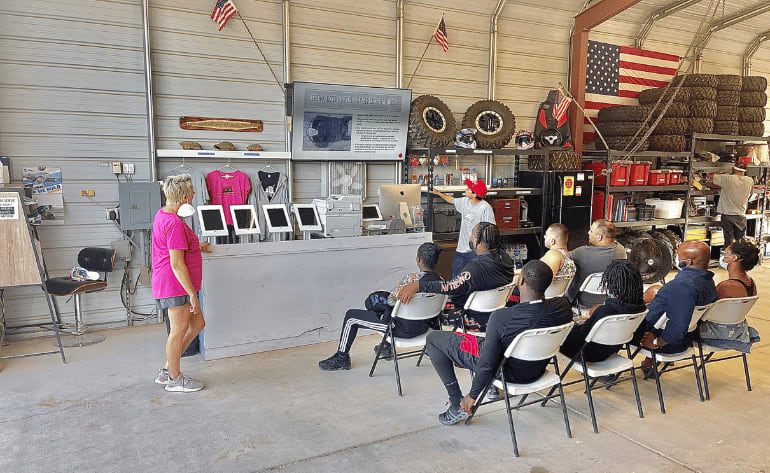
{"x": 639, "y": 174}
{"x": 666, "y": 208}
{"x": 618, "y": 176}
{"x": 676, "y": 177}
{"x": 657, "y": 178}
{"x": 599, "y": 178}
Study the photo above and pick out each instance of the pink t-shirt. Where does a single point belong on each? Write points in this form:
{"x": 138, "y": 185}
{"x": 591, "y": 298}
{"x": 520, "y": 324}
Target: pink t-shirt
{"x": 228, "y": 188}
{"x": 169, "y": 232}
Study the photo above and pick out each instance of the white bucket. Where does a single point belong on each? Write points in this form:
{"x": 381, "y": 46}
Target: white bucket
{"x": 666, "y": 208}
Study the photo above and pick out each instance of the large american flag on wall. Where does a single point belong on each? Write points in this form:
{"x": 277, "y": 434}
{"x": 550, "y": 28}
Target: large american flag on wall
{"x": 616, "y": 74}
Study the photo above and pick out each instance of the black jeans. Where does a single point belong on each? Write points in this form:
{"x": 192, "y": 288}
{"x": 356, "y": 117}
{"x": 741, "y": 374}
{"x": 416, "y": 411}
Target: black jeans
{"x": 734, "y": 227}
{"x": 460, "y": 260}
{"x": 444, "y": 351}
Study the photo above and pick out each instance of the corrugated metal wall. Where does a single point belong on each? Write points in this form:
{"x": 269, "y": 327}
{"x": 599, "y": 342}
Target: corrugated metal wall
{"x": 72, "y": 92}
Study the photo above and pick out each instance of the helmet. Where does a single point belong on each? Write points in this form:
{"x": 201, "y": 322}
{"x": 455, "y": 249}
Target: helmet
{"x": 465, "y": 138}
{"x": 524, "y": 140}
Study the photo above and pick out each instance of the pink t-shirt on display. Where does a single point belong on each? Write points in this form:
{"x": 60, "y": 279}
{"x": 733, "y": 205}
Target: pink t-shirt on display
{"x": 169, "y": 232}
{"x": 227, "y": 191}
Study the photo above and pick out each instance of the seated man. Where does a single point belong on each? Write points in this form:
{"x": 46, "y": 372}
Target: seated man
{"x": 693, "y": 286}
{"x": 377, "y": 315}
{"x": 492, "y": 268}
{"x": 624, "y": 286}
{"x": 594, "y": 258}
{"x": 557, "y": 257}
{"x": 447, "y": 349}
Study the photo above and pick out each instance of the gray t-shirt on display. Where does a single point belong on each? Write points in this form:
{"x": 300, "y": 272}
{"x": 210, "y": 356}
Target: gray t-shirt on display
{"x": 472, "y": 215}
{"x": 734, "y": 196}
{"x": 592, "y": 259}
{"x": 201, "y": 194}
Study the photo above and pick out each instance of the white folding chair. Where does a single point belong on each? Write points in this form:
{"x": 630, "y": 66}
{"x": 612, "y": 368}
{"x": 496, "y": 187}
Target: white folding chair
{"x": 485, "y": 302}
{"x": 725, "y": 311}
{"x": 558, "y": 287}
{"x": 530, "y": 345}
{"x": 421, "y": 307}
{"x": 668, "y": 359}
{"x": 610, "y": 330}
{"x": 591, "y": 285}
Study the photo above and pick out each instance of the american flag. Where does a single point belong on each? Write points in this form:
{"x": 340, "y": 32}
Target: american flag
{"x": 440, "y": 35}
{"x": 223, "y": 10}
{"x": 616, "y": 74}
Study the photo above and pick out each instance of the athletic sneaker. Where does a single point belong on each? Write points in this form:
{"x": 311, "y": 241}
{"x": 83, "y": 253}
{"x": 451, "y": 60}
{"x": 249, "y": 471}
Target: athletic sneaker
{"x": 494, "y": 394}
{"x": 338, "y": 361}
{"x": 162, "y": 376}
{"x": 387, "y": 351}
{"x": 183, "y": 384}
{"x": 452, "y": 416}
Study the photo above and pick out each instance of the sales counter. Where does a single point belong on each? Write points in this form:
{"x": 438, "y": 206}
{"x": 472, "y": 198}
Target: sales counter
{"x": 266, "y": 296}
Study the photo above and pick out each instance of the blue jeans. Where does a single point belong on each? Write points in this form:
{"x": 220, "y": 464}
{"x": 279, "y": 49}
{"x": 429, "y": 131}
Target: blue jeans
{"x": 460, "y": 260}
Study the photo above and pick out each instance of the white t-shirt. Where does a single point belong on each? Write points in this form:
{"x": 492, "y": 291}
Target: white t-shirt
{"x": 472, "y": 215}
{"x": 734, "y": 196}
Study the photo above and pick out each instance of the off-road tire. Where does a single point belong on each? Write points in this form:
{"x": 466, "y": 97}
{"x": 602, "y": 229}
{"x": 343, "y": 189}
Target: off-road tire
{"x": 725, "y": 128}
{"x": 651, "y": 96}
{"x": 619, "y": 143}
{"x": 431, "y": 123}
{"x": 494, "y": 121}
{"x": 671, "y": 126}
{"x": 623, "y": 113}
{"x": 675, "y": 110}
{"x": 703, "y": 109}
{"x": 696, "y": 80}
{"x": 701, "y": 125}
{"x": 702, "y": 93}
{"x": 728, "y": 98}
{"x": 619, "y": 128}
{"x": 754, "y": 84}
{"x": 670, "y": 143}
{"x": 751, "y": 129}
{"x": 564, "y": 160}
{"x": 725, "y": 113}
{"x": 753, "y": 99}
{"x": 729, "y": 82}
{"x": 751, "y": 114}
{"x": 675, "y": 239}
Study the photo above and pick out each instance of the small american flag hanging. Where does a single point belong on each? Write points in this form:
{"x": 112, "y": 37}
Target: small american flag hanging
{"x": 223, "y": 10}
{"x": 440, "y": 35}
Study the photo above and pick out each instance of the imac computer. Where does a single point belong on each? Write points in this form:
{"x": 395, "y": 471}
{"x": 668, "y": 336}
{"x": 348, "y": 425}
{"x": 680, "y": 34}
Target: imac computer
{"x": 277, "y": 218}
{"x": 391, "y": 197}
{"x": 212, "y": 220}
{"x": 244, "y": 219}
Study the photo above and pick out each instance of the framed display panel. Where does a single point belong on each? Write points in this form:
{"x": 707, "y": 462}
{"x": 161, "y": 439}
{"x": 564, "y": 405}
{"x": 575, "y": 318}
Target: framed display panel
{"x": 277, "y": 218}
{"x": 212, "y": 220}
{"x": 307, "y": 217}
{"x": 333, "y": 122}
{"x": 371, "y": 213}
{"x": 245, "y": 219}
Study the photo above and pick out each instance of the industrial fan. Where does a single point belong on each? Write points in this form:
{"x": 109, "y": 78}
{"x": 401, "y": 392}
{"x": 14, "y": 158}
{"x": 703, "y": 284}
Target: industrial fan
{"x": 652, "y": 257}
{"x": 347, "y": 177}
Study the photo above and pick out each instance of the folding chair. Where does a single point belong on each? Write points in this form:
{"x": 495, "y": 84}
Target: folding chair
{"x": 591, "y": 285}
{"x": 421, "y": 307}
{"x": 558, "y": 287}
{"x": 725, "y": 311}
{"x": 485, "y": 302}
{"x": 669, "y": 359}
{"x": 611, "y": 330}
{"x": 530, "y": 345}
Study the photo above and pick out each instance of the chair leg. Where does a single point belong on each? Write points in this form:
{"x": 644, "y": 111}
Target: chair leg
{"x": 422, "y": 353}
{"x": 636, "y": 386}
{"x": 563, "y": 375}
{"x": 476, "y": 405}
{"x": 561, "y": 395}
{"x": 703, "y": 368}
{"x": 697, "y": 377}
{"x": 379, "y": 350}
{"x": 510, "y": 418}
{"x": 588, "y": 394}
{"x": 521, "y": 401}
{"x": 657, "y": 383}
{"x": 746, "y": 371}
{"x": 395, "y": 367}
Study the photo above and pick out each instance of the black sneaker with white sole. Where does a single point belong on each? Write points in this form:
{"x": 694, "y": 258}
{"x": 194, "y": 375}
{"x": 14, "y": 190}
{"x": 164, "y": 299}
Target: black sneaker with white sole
{"x": 338, "y": 361}
{"x": 387, "y": 351}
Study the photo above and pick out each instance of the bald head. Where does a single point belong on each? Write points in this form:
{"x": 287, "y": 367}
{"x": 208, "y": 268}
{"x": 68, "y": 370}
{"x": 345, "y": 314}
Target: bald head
{"x": 602, "y": 233}
{"x": 695, "y": 253}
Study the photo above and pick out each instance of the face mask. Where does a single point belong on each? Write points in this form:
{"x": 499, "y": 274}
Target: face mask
{"x": 722, "y": 263}
{"x": 186, "y": 210}
{"x": 680, "y": 265}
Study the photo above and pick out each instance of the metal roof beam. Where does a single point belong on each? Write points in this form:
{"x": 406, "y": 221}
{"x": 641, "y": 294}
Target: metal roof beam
{"x": 659, "y": 14}
{"x": 752, "y": 49}
{"x": 729, "y": 21}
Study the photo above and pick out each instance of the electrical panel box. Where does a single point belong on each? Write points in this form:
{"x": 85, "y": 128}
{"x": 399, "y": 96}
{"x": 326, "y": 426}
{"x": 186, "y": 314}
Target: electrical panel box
{"x": 139, "y": 201}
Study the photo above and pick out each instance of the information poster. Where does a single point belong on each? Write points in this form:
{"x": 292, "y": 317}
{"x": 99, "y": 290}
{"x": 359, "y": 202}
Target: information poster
{"x": 46, "y": 186}
{"x": 340, "y": 122}
{"x": 9, "y": 209}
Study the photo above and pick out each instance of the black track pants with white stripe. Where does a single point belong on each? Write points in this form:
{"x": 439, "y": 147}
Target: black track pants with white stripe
{"x": 359, "y": 318}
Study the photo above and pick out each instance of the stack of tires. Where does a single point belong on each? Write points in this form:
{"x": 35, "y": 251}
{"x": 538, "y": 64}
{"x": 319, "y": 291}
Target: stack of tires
{"x": 702, "y": 90}
{"x": 619, "y": 124}
{"x": 669, "y": 134}
{"x": 751, "y": 109}
{"x": 728, "y": 98}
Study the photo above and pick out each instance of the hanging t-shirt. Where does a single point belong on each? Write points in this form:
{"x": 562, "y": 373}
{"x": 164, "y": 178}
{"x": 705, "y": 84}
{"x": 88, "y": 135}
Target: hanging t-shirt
{"x": 201, "y": 194}
{"x": 228, "y": 188}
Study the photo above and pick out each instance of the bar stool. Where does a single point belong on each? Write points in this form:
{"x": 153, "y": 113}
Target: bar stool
{"x": 93, "y": 259}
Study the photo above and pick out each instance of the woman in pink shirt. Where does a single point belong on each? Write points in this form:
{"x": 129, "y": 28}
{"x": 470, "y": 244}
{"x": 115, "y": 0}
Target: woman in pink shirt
{"x": 176, "y": 278}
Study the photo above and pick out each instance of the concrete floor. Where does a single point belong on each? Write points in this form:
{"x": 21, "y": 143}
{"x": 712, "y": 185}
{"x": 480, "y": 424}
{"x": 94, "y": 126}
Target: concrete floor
{"x": 277, "y": 411}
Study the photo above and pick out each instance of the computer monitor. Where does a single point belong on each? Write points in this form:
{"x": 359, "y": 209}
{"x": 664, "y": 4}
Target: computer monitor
{"x": 391, "y": 195}
{"x": 371, "y": 213}
{"x": 277, "y": 218}
{"x": 212, "y": 220}
{"x": 307, "y": 217}
{"x": 244, "y": 219}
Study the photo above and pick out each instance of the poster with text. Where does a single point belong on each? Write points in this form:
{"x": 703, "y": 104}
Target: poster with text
{"x": 9, "y": 210}
{"x": 46, "y": 187}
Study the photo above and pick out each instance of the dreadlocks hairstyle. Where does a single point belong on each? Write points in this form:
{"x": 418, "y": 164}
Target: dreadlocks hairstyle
{"x": 623, "y": 280}
{"x": 488, "y": 234}
{"x": 747, "y": 253}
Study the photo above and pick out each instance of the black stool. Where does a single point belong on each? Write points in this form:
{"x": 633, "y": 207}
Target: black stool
{"x": 93, "y": 259}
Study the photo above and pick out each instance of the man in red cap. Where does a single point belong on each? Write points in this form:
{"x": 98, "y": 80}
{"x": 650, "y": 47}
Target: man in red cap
{"x": 733, "y": 200}
{"x": 474, "y": 210}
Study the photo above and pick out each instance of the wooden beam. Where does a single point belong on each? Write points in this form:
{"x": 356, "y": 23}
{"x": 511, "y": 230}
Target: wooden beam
{"x": 584, "y": 22}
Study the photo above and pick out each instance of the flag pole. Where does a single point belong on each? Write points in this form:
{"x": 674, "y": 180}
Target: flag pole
{"x": 262, "y": 53}
{"x": 423, "y": 54}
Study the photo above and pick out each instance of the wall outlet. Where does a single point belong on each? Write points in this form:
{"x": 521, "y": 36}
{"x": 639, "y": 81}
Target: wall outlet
{"x": 128, "y": 169}
{"x": 112, "y": 214}
{"x": 117, "y": 168}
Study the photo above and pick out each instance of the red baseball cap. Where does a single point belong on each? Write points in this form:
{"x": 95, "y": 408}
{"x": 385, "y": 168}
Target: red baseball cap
{"x": 478, "y": 187}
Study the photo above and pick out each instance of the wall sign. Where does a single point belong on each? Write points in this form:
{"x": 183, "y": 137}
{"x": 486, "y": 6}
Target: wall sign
{"x": 569, "y": 185}
{"x": 9, "y": 208}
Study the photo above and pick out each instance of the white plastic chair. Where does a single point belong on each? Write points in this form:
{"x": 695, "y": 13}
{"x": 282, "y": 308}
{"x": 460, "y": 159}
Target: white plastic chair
{"x": 610, "y": 330}
{"x": 421, "y": 307}
{"x": 591, "y": 285}
{"x": 558, "y": 287}
{"x": 485, "y": 302}
{"x": 730, "y": 312}
{"x": 530, "y": 345}
{"x": 668, "y": 359}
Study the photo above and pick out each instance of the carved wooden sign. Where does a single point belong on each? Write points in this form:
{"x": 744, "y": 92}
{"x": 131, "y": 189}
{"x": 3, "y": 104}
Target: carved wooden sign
{"x": 220, "y": 124}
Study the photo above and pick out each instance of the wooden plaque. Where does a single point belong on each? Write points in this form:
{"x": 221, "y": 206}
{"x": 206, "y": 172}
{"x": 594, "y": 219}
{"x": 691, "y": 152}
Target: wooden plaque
{"x": 220, "y": 124}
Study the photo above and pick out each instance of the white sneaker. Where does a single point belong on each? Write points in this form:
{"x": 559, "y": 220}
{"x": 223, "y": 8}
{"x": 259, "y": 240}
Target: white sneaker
{"x": 183, "y": 384}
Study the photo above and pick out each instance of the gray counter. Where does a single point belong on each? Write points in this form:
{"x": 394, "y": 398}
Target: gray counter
{"x": 265, "y": 296}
